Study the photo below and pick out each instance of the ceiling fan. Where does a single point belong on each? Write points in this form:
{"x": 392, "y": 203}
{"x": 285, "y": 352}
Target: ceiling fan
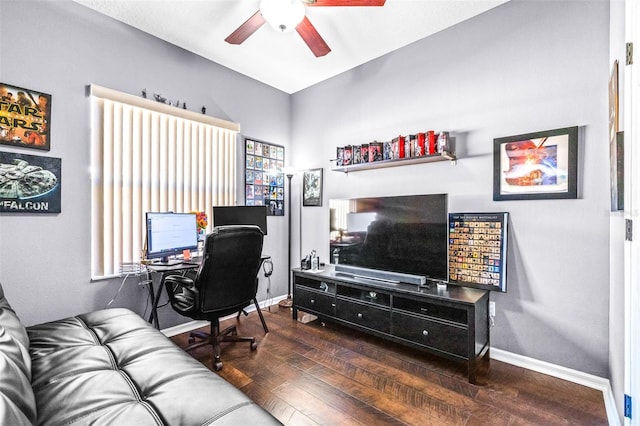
{"x": 285, "y": 15}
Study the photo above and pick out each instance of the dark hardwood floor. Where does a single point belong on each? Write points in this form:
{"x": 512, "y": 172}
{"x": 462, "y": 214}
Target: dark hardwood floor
{"x": 310, "y": 374}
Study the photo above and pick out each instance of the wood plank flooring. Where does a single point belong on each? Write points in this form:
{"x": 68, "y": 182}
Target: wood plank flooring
{"x": 315, "y": 374}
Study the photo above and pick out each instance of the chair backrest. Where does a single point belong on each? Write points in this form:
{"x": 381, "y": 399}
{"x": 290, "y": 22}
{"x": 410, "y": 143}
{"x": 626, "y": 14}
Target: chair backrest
{"x": 227, "y": 278}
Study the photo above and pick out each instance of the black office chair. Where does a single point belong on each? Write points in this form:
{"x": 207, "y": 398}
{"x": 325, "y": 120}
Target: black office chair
{"x": 225, "y": 283}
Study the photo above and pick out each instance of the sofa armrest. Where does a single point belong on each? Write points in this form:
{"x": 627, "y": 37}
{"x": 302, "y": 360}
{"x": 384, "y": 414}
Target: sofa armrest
{"x": 17, "y": 401}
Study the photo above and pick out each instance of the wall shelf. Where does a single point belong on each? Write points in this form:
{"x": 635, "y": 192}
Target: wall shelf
{"x": 445, "y": 156}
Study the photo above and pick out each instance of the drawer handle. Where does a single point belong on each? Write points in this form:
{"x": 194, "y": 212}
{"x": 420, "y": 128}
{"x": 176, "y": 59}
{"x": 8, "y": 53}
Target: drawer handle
{"x": 359, "y": 315}
{"x": 424, "y": 310}
{"x": 425, "y": 333}
{"x": 313, "y": 301}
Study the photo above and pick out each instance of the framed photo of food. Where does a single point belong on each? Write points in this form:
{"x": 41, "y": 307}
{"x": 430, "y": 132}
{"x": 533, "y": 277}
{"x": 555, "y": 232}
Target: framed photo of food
{"x": 541, "y": 165}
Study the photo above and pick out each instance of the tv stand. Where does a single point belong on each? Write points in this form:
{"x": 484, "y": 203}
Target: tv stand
{"x": 452, "y": 323}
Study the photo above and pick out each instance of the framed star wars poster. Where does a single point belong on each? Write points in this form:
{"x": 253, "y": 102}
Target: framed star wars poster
{"x": 29, "y": 183}
{"x": 25, "y": 117}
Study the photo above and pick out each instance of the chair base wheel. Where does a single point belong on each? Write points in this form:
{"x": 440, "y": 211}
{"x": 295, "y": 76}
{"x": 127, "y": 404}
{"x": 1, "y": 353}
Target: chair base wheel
{"x": 254, "y": 346}
{"x": 217, "y": 364}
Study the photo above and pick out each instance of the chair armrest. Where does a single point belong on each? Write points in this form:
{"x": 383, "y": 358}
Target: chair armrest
{"x": 183, "y": 294}
{"x": 179, "y": 280}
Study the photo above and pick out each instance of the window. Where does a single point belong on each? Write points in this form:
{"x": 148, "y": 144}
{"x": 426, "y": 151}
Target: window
{"x": 148, "y": 156}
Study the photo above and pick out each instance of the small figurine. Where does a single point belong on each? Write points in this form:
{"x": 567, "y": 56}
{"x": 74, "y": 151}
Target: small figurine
{"x": 160, "y": 98}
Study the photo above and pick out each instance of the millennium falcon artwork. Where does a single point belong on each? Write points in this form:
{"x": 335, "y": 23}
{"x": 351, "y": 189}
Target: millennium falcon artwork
{"x": 20, "y": 180}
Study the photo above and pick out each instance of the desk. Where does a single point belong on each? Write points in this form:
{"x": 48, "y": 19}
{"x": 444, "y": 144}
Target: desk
{"x": 183, "y": 268}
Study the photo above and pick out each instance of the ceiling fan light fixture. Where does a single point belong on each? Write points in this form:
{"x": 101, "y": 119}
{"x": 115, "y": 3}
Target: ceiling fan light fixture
{"x": 283, "y": 15}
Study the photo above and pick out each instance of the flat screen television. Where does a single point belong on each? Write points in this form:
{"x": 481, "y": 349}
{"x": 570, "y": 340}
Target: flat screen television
{"x": 169, "y": 234}
{"x": 397, "y": 234}
{"x": 241, "y": 215}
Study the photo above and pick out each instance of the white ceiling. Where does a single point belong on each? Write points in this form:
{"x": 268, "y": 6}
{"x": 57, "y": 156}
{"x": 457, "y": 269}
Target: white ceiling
{"x": 355, "y": 34}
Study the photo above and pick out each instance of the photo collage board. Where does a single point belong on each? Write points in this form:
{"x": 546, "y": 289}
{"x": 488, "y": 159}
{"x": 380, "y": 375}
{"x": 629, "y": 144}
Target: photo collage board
{"x": 264, "y": 176}
{"x": 478, "y": 249}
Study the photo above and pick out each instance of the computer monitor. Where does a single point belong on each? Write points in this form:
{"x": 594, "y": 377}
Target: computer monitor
{"x": 168, "y": 234}
{"x": 241, "y": 215}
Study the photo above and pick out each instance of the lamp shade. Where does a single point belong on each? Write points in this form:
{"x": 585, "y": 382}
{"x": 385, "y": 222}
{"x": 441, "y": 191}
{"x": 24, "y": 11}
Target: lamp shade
{"x": 283, "y": 15}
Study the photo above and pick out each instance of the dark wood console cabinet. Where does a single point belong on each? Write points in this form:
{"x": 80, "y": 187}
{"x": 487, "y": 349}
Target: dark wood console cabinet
{"x": 453, "y": 323}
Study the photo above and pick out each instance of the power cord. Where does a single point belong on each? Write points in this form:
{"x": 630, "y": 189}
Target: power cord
{"x": 267, "y": 268}
{"x": 117, "y": 292}
{"x": 129, "y": 268}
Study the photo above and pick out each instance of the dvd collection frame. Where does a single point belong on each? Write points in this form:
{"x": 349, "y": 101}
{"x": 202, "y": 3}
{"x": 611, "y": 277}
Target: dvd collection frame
{"x": 409, "y": 146}
{"x": 478, "y": 250}
{"x": 264, "y": 175}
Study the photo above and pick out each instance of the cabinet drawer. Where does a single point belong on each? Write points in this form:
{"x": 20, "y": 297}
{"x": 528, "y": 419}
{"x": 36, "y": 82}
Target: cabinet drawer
{"x": 433, "y": 310}
{"x": 369, "y": 295}
{"x": 363, "y": 315}
{"x": 434, "y": 334}
{"x": 319, "y": 285}
{"x": 314, "y": 301}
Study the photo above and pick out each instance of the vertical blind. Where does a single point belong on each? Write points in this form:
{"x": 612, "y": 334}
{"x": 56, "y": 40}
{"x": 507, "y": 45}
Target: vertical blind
{"x": 151, "y": 158}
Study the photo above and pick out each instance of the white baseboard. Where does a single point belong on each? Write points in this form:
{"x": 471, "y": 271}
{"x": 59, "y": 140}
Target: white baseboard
{"x": 564, "y": 373}
{"x": 193, "y": 325}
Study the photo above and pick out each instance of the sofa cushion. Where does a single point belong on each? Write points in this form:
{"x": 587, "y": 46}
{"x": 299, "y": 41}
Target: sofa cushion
{"x": 112, "y": 367}
{"x": 17, "y": 402}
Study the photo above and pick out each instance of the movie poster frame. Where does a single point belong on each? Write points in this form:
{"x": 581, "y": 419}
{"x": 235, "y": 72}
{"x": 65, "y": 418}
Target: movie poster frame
{"x": 479, "y": 255}
{"x": 258, "y": 167}
{"x": 308, "y": 200}
{"x": 35, "y": 165}
{"x": 616, "y": 144}
{"x": 23, "y": 140}
{"x": 567, "y": 151}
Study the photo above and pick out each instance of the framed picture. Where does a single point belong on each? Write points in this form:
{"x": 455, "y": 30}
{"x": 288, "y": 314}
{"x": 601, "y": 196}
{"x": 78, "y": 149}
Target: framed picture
{"x": 312, "y": 187}
{"x": 616, "y": 144}
{"x": 30, "y": 183}
{"x": 478, "y": 250}
{"x": 25, "y": 117}
{"x": 264, "y": 175}
{"x": 617, "y": 172}
{"x": 541, "y": 165}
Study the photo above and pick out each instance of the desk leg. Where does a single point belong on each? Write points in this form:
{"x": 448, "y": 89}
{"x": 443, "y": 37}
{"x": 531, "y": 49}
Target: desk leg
{"x": 264, "y": 324}
{"x": 155, "y": 298}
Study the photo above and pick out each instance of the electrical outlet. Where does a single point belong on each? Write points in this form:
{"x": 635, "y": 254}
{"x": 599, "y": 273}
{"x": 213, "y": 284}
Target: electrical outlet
{"x": 492, "y": 309}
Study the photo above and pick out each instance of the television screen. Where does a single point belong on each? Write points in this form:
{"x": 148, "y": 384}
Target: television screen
{"x": 168, "y": 234}
{"x": 405, "y": 234}
{"x": 241, "y": 215}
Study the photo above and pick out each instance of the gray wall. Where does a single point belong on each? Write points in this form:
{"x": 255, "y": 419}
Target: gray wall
{"x": 522, "y": 67}
{"x": 44, "y": 259}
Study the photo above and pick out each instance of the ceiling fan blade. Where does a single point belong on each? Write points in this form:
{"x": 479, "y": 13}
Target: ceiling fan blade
{"x": 245, "y": 30}
{"x": 315, "y": 3}
{"x": 313, "y": 39}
